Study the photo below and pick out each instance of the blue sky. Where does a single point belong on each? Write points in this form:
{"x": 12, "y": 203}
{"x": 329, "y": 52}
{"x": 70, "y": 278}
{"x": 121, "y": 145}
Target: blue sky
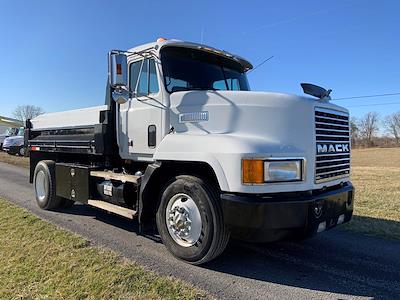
{"x": 54, "y": 53}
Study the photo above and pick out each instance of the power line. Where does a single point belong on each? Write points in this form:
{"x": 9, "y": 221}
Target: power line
{"x": 374, "y": 104}
{"x": 368, "y": 96}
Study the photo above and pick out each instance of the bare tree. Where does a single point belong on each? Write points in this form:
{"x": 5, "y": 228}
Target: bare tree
{"x": 354, "y": 130}
{"x": 369, "y": 127}
{"x": 392, "y": 125}
{"x": 25, "y": 112}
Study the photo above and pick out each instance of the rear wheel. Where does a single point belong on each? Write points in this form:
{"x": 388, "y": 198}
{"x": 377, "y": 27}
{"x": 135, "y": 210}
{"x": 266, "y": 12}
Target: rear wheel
{"x": 45, "y": 185}
{"x": 190, "y": 220}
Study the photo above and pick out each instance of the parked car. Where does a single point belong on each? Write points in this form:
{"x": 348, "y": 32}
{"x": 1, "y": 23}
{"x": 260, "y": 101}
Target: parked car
{"x": 15, "y": 144}
{"x": 9, "y": 132}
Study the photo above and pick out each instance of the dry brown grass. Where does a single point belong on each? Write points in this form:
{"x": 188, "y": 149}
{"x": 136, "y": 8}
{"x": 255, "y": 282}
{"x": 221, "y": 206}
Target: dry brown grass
{"x": 376, "y": 177}
{"x": 376, "y": 157}
{"x": 14, "y": 160}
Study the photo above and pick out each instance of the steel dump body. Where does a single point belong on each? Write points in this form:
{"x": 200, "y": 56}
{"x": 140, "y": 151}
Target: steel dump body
{"x": 86, "y": 131}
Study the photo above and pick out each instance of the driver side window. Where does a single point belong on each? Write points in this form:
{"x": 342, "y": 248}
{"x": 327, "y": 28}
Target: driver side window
{"x": 143, "y": 77}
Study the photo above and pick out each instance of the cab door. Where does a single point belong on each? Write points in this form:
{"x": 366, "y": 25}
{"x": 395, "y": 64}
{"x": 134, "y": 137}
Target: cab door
{"x": 143, "y": 111}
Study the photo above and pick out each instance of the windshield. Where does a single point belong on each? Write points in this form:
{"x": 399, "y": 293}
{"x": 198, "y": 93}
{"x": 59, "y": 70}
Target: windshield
{"x": 11, "y": 131}
{"x": 21, "y": 131}
{"x": 190, "y": 69}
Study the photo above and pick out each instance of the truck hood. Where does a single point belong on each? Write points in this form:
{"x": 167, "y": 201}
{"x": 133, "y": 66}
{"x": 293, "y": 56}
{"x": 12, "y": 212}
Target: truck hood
{"x": 273, "y": 117}
{"x": 222, "y": 127}
{"x": 2, "y": 137}
{"x": 14, "y": 140}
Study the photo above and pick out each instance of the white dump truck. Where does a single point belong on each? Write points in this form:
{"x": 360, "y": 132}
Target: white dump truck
{"x": 182, "y": 144}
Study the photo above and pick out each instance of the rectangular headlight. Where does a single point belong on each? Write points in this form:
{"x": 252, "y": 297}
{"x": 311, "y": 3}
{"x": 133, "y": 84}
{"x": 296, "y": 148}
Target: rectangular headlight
{"x": 283, "y": 170}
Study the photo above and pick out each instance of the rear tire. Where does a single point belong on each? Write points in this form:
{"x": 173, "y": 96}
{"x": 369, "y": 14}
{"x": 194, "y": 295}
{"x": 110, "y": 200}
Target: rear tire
{"x": 190, "y": 220}
{"x": 45, "y": 185}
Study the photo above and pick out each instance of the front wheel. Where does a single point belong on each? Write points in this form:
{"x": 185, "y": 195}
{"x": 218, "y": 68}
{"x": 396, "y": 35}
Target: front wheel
{"x": 190, "y": 220}
{"x": 21, "y": 151}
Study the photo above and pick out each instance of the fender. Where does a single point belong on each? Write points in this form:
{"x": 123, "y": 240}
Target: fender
{"x": 183, "y": 147}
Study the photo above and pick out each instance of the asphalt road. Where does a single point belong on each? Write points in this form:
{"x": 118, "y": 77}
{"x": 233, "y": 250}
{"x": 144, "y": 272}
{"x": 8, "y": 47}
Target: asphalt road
{"x": 333, "y": 265}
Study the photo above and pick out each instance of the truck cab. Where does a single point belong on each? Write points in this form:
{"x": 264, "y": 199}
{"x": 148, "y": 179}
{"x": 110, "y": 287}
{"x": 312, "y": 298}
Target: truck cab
{"x": 182, "y": 142}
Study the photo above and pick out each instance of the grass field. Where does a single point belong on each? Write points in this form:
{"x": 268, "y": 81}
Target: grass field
{"x": 41, "y": 261}
{"x": 376, "y": 176}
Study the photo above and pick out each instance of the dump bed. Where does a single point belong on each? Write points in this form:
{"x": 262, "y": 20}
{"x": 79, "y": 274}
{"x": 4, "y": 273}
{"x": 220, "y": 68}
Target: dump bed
{"x": 88, "y": 130}
{"x": 85, "y": 117}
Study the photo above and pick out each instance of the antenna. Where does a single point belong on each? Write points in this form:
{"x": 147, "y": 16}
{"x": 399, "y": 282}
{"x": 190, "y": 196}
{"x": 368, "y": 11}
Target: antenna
{"x": 260, "y": 64}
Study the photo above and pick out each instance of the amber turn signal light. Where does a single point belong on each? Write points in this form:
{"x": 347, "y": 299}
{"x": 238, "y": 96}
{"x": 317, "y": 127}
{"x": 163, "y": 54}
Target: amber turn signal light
{"x": 252, "y": 171}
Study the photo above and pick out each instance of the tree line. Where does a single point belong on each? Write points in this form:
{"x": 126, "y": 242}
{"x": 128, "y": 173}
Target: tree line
{"x": 25, "y": 112}
{"x": 371, "y": 130}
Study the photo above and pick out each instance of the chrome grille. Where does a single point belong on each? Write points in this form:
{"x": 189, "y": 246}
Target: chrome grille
{"x": 332, "y": 145}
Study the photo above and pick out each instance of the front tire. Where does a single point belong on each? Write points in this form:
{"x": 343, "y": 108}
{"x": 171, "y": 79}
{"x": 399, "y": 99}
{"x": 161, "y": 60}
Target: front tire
{"x": 45, "y": 185}
{"x": 190, "y": 220}
{"x": 21, "y": 151}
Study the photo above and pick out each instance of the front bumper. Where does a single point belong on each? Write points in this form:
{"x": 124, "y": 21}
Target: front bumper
{"x": 271, "y": 217}
{"x": 11, "y": 149}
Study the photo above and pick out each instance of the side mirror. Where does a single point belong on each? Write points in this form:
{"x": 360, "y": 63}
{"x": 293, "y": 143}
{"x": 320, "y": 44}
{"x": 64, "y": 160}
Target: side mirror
{"x": 121, "y": 96}
{"x": 118, "y": 75}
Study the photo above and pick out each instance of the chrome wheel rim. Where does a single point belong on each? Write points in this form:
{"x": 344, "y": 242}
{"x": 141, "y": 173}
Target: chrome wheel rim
{"x": 22, "y": 151}
{"x": 183, "y": 220}
{"x": 40, "y": 185}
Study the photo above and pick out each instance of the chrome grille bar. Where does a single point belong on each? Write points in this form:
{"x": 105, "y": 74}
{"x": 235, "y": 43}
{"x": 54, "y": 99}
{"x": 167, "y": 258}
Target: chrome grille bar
{"x": 332, "y": 137}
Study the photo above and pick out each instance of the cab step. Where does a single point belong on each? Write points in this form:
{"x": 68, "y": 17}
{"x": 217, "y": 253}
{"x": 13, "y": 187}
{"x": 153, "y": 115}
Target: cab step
{"x": 118, "y": 210}
{"x": 109, "y": 175}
